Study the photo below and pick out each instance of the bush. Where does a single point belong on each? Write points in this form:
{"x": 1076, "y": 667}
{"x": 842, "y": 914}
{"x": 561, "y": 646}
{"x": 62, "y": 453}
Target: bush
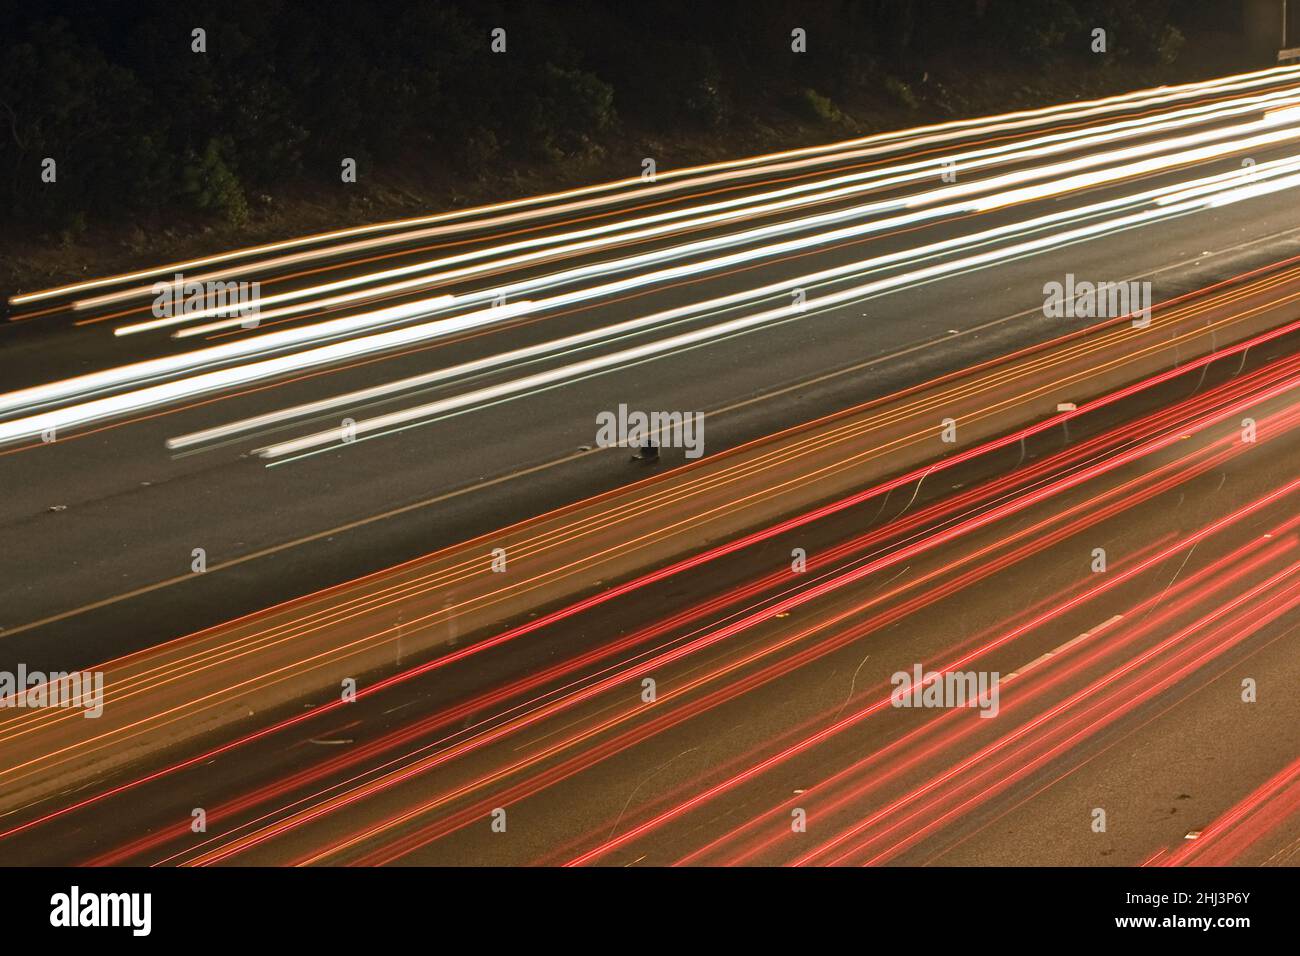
{"x": 570, "y": 105}
{"x": 814, "y": 106}
{"x": 901, "y": 93}
{"x": 213, "y": 187}
{"x": 1169, "y": 44}
{"x": 479, "y": 149}
{"x": 702, "y": 98}
{"x": 138, "y": 123}
{"x": 1039, "y": 37}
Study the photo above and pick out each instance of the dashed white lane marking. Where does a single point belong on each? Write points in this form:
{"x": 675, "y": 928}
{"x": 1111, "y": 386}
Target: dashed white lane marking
{"x": 1063, "y": 648}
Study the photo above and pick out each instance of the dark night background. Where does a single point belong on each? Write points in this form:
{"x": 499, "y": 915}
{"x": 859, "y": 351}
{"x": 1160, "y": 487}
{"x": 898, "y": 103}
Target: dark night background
{"x": 158, "y": 143}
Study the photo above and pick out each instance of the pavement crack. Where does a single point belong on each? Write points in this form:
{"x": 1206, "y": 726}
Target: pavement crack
{"x": 653, "y": 773}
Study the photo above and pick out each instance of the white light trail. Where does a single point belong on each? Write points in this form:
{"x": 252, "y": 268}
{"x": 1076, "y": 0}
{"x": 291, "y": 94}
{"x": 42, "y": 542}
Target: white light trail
{"x": 99, "y": 381}
{"x": 1161, "y": 196}
{"x": 223, "y": 379}
{"x": 174, "y": 364}
{"x": 642, "y": 228}
{"x": 1058, "y": 182}
{"x": 672, "y": 180}
{"x": 392, "y": 420}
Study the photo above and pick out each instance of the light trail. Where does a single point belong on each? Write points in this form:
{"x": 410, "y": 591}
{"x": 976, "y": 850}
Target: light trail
{"x": 226, "y": 653}
{"x": 1019, "y": 763}
{"x": 1069, "y": 455}
{"x": 539, "y": 733}
{"x": 1256, "y": 816}
{"x": 40, "y": 423}
{"x": 859, "y": 715}
{"x": 807, "y": 281}
{"x": 384, "y": 424}
{"x": 919, "y": 135}
{"x": 1127, "y": 495}
{"x": 189, "y": 669}
{"x": 383, "y": 856}
{"x": 903, "y": 754}
{"x": 696, "y": 217}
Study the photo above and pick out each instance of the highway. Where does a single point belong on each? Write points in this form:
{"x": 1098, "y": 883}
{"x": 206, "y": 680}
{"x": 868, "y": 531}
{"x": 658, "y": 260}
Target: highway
{"x": 1120, "y": 689}
{"x": 393, "y": 477}
{"x": 112, "y": 517}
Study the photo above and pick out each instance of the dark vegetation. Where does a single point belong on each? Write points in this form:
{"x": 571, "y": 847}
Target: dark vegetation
{"x": 153, "y": 139}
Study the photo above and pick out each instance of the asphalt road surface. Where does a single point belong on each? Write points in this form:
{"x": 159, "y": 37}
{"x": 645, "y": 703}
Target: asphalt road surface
{"x": 369, "y": 585}
{"x": 102, "y": 522}
{"x": 1120, "y": 687}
